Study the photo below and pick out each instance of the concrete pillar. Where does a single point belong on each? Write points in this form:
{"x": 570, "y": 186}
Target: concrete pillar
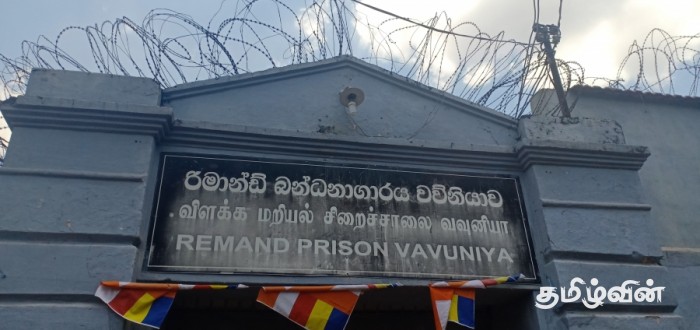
{"x": 74, "y": 186}
{"x": 589, "y": 220}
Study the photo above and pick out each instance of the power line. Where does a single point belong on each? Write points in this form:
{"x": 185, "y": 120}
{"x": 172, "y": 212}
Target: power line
{"x": 561, "y": 6}
{"x": 435, "y": 29}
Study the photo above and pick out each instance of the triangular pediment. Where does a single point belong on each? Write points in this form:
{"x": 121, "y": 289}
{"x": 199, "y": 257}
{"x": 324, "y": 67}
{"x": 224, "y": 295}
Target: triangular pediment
{"x": 305, "y": 98}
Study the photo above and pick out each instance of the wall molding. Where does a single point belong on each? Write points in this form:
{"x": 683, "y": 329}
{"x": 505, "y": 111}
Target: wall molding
{"x": 546, "y": 202}
{"x": 578, "y": 154}
{"x": 83, "y": 115}
{"x": 89, "y": 175}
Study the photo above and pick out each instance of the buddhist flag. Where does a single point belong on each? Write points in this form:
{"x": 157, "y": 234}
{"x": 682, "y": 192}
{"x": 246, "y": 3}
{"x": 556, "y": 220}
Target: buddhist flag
{"x": 146, "y": 307}
{"x": 451, "y": 305}
{"x": 315, "y": 307}
{"x": 146, "y": 303}
{"x": 454, "y": 301}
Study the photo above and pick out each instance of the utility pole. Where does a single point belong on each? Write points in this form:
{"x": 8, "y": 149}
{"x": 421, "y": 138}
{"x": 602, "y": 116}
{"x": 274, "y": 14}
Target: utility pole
{"x": 548, "y": 35}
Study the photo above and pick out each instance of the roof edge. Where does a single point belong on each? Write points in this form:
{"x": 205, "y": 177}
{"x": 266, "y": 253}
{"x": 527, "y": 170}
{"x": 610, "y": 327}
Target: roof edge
{"x": 639, "y": 96}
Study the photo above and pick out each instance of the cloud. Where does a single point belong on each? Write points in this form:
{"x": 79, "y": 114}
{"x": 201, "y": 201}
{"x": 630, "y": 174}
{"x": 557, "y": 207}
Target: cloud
{"x": 595, "y": 33}
{"x": 595, "y": 50}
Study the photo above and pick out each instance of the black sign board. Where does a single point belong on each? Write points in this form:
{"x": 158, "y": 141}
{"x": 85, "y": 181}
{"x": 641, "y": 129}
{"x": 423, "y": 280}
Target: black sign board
{"x": 232, "y": 215}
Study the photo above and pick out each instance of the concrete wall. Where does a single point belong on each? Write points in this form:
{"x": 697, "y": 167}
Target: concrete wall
{"x": 74, "y": 195}
{"x": 667, "y": 125}
{"x": 81, "y": 174}
{"x": 589, "y": 220}
{"x": 669, "y": 177}
{"x": 305, "y": 98}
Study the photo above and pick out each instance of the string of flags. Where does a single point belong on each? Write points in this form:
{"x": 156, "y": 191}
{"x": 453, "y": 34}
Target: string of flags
{"x": 147, "y": 303}
{"x": 311, "y": 307}
{"x": 316, "y": 307}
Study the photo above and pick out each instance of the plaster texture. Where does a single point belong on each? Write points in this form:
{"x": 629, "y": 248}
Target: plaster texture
{"x": 306, "y": 100}
{"x": 667, "y": 125}
{"x": 572, "y": 129}
{"x": 71, "y": 205}
{"x": 73, "y": 197}
{"x": 669, "y": 129}
{"x": 591, "y": 221}
{"x": 590, "y": 185}
{"x": 99, "y": 151}
{"x": 84, "y": 86}
{"x": 62, "y": 267}
{"x": 54, "y": 314}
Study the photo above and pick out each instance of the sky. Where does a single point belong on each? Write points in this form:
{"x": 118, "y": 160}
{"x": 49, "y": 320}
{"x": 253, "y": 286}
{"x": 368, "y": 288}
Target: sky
{"x": 595, "y": 33}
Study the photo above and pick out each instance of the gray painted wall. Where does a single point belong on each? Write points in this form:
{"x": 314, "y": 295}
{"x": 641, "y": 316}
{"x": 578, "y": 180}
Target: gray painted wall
{"x": 74, "y": 196}
{"x": 667, "y": 125}
{"x": 670, "y": 176}
{"x": 80, "y": 178}
{"x": 305, "y": 99}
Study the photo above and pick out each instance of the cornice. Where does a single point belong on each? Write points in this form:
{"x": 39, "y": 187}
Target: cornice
{"x": 513, "y": 159}
{"x": 362, "y": 149}
{"x": 84, "y": 115}
{"x": 578, "y": 154}
{"x": 69, "y": 174}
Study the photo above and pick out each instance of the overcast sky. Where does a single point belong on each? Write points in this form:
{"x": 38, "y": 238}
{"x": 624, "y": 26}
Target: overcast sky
{"x": 595, "y": 33}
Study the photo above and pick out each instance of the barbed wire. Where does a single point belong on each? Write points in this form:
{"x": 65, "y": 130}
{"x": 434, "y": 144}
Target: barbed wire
{"x": 459, "y": 58}
{"x": 173, "y": 48}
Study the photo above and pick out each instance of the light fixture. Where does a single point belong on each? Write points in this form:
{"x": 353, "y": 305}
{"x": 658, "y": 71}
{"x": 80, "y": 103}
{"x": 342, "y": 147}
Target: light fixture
{"x": 351, "y": 98}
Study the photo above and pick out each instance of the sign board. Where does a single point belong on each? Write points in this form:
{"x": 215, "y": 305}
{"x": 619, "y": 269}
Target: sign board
{"x": 233, "y": 215}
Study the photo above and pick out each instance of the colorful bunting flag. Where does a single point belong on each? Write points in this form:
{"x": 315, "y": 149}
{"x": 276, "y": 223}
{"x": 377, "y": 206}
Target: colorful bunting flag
{"x": 452, "y": 305}
{"x": 312, "y": 307}
{"x": 454, "y": 301}
{"x": 316, "y": 307}
{"x": 146, "y": 307}
{"x": 146, "y": 303}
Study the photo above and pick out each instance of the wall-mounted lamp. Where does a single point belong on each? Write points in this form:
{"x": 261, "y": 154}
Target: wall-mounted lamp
{"x": 351, "y": 98}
